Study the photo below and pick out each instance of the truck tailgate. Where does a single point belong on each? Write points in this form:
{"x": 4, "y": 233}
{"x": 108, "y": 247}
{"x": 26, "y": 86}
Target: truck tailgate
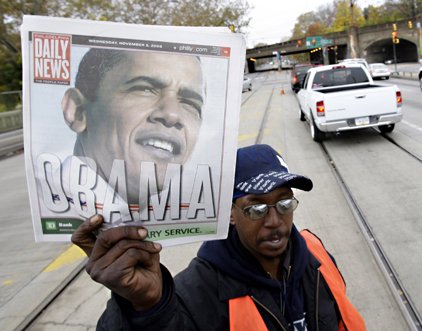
{"x": 353, "y": 103}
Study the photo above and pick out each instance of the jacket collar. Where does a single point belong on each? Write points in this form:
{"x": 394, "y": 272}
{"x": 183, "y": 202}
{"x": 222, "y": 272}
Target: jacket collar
{"x": 232, "y": 259}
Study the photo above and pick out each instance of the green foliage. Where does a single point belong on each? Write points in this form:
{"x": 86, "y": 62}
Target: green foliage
{"x": 211, "y": 13}
{"x": 346, "y": 16}
{"x": 11, "y": 70}
{"x": 10, "y": 101}
{"x": 339, "y": 16}
{"x": 373, "y": 15}
{"x": 307, "y": 24}
{"x": 402, "y": 9}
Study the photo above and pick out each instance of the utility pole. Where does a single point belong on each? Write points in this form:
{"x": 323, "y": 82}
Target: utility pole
{"x": 395, "y": 57}
{"x": 395, "y": 40}
{"x": 353, "y": 33}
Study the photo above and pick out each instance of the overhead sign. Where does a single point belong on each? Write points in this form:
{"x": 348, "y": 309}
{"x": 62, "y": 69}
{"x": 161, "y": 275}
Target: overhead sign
{"x": 317, "y": 41}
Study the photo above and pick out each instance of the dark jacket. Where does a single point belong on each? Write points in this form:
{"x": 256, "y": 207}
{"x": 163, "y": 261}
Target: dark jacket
{"x": 198, "y": 297}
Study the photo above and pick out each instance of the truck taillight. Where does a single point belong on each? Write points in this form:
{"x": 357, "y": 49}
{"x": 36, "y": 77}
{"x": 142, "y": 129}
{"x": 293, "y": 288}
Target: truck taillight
{"x": 320, "y": 109}
{"x": 399, "y": 99}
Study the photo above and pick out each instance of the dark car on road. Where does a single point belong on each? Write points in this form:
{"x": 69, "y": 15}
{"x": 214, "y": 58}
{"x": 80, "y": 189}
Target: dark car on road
{"x": 298, "y": 73}
{"x": 420, "y": 77}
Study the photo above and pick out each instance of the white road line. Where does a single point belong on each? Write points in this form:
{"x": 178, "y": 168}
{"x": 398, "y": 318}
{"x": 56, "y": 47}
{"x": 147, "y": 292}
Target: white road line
{"x": 412, "y": 125}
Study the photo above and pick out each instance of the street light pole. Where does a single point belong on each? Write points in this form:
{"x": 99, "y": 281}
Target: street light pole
{"x": 353, "y": 43}
{"x": 394, "y": 57}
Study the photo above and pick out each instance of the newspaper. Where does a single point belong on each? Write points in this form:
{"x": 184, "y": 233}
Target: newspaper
{"x": 137, "y": 123}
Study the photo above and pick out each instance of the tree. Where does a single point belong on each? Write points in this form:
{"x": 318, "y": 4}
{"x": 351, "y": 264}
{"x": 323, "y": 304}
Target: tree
{"x": 306, "y": 22}
{"x": 402, "y": 9}
{"x": 374, "y": 15}
{"x": 314, "y": 23}
{"x": 9, "y": 63}
{"x": 212, "y": 13}
{"x": 347, "y": 16}
{"x": 326, "y": 13}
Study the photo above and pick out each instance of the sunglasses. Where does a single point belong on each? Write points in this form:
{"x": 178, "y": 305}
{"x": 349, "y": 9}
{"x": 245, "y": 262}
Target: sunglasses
{"x": 256, "y": 212}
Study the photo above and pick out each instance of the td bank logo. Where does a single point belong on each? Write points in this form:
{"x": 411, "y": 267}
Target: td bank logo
{"x": 50, "y": 225}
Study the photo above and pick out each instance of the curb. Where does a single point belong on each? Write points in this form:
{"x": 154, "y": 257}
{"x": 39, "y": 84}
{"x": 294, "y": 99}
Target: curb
{"x": 405, "y": 75}
{"x": 38, "y": 294}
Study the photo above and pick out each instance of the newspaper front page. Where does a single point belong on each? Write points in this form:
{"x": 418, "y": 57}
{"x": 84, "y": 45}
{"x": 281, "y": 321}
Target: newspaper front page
{"x": 137, "y": 123}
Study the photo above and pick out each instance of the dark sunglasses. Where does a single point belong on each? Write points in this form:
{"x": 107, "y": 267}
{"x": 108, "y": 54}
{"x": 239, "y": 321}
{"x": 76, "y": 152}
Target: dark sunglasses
{"x": 256, "y": 212}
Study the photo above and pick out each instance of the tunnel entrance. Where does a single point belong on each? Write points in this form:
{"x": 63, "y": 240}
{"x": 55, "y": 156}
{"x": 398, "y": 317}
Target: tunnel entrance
{"x": 383, "y": 51}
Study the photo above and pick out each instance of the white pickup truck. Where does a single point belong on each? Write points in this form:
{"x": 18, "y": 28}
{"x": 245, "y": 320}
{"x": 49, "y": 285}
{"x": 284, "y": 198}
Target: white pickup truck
{"x": 342, "y": 97}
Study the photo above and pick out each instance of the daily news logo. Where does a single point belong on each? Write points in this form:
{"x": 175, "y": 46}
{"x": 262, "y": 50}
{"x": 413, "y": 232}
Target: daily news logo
{"x": 51, "y": 58}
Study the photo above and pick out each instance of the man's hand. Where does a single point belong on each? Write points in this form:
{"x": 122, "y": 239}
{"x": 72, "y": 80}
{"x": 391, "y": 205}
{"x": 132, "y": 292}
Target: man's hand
{"x": 121, "y": 260}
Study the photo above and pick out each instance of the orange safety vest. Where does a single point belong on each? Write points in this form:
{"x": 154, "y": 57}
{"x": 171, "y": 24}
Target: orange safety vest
{"x": 244, "y": 315}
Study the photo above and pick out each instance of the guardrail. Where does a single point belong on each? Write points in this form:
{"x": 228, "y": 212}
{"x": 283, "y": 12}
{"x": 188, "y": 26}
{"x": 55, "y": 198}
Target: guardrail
{"x": 11, "y": 120}
{"x": 11, "y": 142}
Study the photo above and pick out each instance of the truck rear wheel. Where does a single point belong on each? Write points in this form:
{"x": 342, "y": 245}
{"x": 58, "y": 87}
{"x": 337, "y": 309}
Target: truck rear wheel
{"x": 386, "y": 128}
{"x": 316, "y": 134}
{"x": 301, "y": 115}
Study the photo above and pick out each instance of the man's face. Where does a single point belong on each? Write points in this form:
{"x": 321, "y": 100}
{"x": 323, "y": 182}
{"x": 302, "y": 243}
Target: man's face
{"x": 148, "y": 108}
{"x": 265, "y": 238}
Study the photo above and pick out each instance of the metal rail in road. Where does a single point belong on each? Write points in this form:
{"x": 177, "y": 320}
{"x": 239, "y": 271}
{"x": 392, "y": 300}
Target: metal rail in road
{"x": 398, "y": 290}
{"x": 401, "y": 295}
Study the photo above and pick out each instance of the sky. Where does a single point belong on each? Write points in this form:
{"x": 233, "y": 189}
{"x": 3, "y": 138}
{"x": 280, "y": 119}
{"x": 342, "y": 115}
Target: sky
{"x": 273, "y": 20}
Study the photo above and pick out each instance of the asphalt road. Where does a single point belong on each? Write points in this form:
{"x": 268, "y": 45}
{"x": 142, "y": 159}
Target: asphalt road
{"x": 384, "y": 180}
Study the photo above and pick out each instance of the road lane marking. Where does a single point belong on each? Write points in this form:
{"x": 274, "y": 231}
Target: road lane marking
{"x": 244, "y": 137}
{"x": 71, "y": 255}
{"x": 412, "y": 125}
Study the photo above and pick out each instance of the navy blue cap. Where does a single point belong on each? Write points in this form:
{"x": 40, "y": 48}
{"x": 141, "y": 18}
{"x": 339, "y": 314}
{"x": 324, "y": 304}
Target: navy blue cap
{"x": 260, "y": 169}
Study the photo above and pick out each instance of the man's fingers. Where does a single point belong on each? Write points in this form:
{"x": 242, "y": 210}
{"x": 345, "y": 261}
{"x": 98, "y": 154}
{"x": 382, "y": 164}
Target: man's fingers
{"x": 108, "y": 238}
{"x": 84, "y": 237}
{"x": 144, "y": 248}
{"x": 117, "y": 240}
{"x": 134, "y": 265}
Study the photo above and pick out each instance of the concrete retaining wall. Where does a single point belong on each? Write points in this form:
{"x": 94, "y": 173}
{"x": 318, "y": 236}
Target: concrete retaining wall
{"x": 405, "y": 74}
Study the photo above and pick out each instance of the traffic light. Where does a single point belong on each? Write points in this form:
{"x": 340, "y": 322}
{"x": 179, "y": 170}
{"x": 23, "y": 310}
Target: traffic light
{"x": 394, "y": 27}
{"x": 410, "y": 24}
{"x": 395, "y": 38}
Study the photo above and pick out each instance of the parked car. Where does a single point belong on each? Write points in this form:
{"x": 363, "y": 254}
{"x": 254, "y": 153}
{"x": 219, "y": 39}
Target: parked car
{"x": 359, "y": 61}
{"x": 247, "y": 84}
{"x": 379, "y": 70}
{"x": 298, "y": 73}
{"x": 343, "y": 97}
{"x": 286, "y": 64}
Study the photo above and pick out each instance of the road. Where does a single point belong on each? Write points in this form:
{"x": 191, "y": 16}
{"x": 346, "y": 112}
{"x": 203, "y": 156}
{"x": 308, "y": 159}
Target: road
{"x": 355, "y": 171}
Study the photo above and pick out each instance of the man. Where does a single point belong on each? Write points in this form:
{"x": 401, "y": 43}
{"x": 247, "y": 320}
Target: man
{"x": 135, "y": 107}
{"x": 264, "y": 276}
